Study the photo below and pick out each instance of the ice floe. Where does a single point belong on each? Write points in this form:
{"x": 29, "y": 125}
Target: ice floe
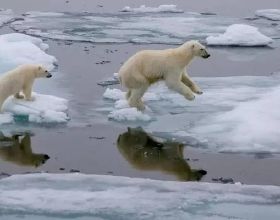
{"x": 45, "y": 109}
{"x": 217, "y": 120}
{"x": 160, "y": 8}
{"x": 240, "y": 35}
{"x": 6, "y": 16}
{"x": 271, "y": 14}
{"x": 17, "y": 49}
{"x": 67, "y": 196}
{"x": 6, "y": 118}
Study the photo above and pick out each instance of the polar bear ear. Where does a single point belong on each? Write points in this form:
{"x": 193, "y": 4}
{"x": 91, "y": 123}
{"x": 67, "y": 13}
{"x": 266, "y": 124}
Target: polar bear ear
{"x": 39, "y": 68}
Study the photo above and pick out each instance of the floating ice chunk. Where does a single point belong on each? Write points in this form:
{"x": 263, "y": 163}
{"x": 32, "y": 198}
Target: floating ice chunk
{"x": 161, "y": 8}
{"x": 114, "y": 94}
{"x": 258, "y": 119}
{"x": 271, "y": 14}
{"x": 68, "y": 196}
{"x": 17, "y": 49}
{"x": 240, "y": 35}
{"x": 128, "y": 114}
{"x": 6, "y": 118}
{"x": 6, "y": 16}
{"x": 43, "y": 14}
{"x": 45, "y": 109}
{"x": 17, "y": 37}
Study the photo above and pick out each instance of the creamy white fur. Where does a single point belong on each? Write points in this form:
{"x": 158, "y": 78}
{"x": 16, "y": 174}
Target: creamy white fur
{"x": 149, "y": 66}
{"x": 20, "y": 79}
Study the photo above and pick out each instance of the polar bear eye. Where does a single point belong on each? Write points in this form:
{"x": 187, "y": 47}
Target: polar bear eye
{"x": 201, "y": 49}
{"x": 46, "y": 71}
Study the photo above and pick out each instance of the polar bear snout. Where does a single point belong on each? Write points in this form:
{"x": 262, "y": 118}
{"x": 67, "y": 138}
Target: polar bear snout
{"x": 49, "y": 75}
{"x": 206, "y": 56}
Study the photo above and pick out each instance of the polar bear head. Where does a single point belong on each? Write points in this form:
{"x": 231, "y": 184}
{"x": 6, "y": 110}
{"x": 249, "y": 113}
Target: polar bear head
{"x": 42, "y": 72}
{"x": 198, "y": 49}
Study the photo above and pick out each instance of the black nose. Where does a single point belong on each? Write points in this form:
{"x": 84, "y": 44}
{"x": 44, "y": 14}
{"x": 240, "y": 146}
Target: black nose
{"x": 202, "y": 172}
{"x": 46, "y": 157}
{"x": 206, "y": 56}
{"x": 49, "y": 76}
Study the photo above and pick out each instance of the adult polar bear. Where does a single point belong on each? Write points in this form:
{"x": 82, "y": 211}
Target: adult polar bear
{"x": 149, "y": 66}
{"x": 21, "y": 79}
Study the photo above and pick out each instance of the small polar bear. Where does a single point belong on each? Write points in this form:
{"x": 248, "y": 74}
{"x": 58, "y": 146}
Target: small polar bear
{"x": 149, "y": 66}
{"x": 21, "y": 79}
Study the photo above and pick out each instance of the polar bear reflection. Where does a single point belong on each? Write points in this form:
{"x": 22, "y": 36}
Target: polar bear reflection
{"x": 18, "y": 150}
{"x": 145, "y": 153}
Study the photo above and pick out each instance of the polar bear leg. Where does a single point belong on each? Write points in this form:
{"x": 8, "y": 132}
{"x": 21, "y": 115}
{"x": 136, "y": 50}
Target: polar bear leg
{"x": 27, "y": 91}
{"x": 188, "y": 82}
{"x": 135, "y": 98}
{"x": 18, "y": 96}
{"x": 1, "y": 104}
{"x": 128, "y": 94}
{"x": 174, "y": 83}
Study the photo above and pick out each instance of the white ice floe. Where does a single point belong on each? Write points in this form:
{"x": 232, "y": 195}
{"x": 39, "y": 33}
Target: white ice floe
{"x": 6, "y": 118}
{"x": 159, "y": 9}
{"x": 79, "y": 196}
{"x": 43, "y": 14}
{"x": 217, "y": 120}
{"x": 240, "y": 35}
{"x": 271, "y": 14}
{"x": 6, "y": 16}
{"x": 251, "y": 125}
{"x": 45, "y": 109}
{"x": 122, "y": 111}
{"x": 17, "y": 49}
{"x": 128, "y": 114}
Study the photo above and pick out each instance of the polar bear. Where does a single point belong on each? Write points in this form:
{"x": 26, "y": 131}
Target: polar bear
{"x": 21, "y": 79}
{"x": 149, "y": 66}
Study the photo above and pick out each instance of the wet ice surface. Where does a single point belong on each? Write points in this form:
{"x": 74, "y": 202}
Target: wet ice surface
{"x": 67, "y": 196}
{"x": 217, "y": 120}
{"x": 6, "y": 16}
{"x": 131, "y": 27}
{"x": 240, "y": 35}
{"x": 271, "y": 14}
{"x": 159, "y": 9}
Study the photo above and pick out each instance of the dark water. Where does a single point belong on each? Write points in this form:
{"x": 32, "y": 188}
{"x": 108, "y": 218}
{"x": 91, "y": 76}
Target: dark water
{"x": 91, "y": 146}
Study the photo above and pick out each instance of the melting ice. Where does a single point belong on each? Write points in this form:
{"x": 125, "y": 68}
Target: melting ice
{"x": 79, "y": 196}
{"x": 133, "y": 26}
{"x": 121, "y": 27}
{"x": 6, "y": 16}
